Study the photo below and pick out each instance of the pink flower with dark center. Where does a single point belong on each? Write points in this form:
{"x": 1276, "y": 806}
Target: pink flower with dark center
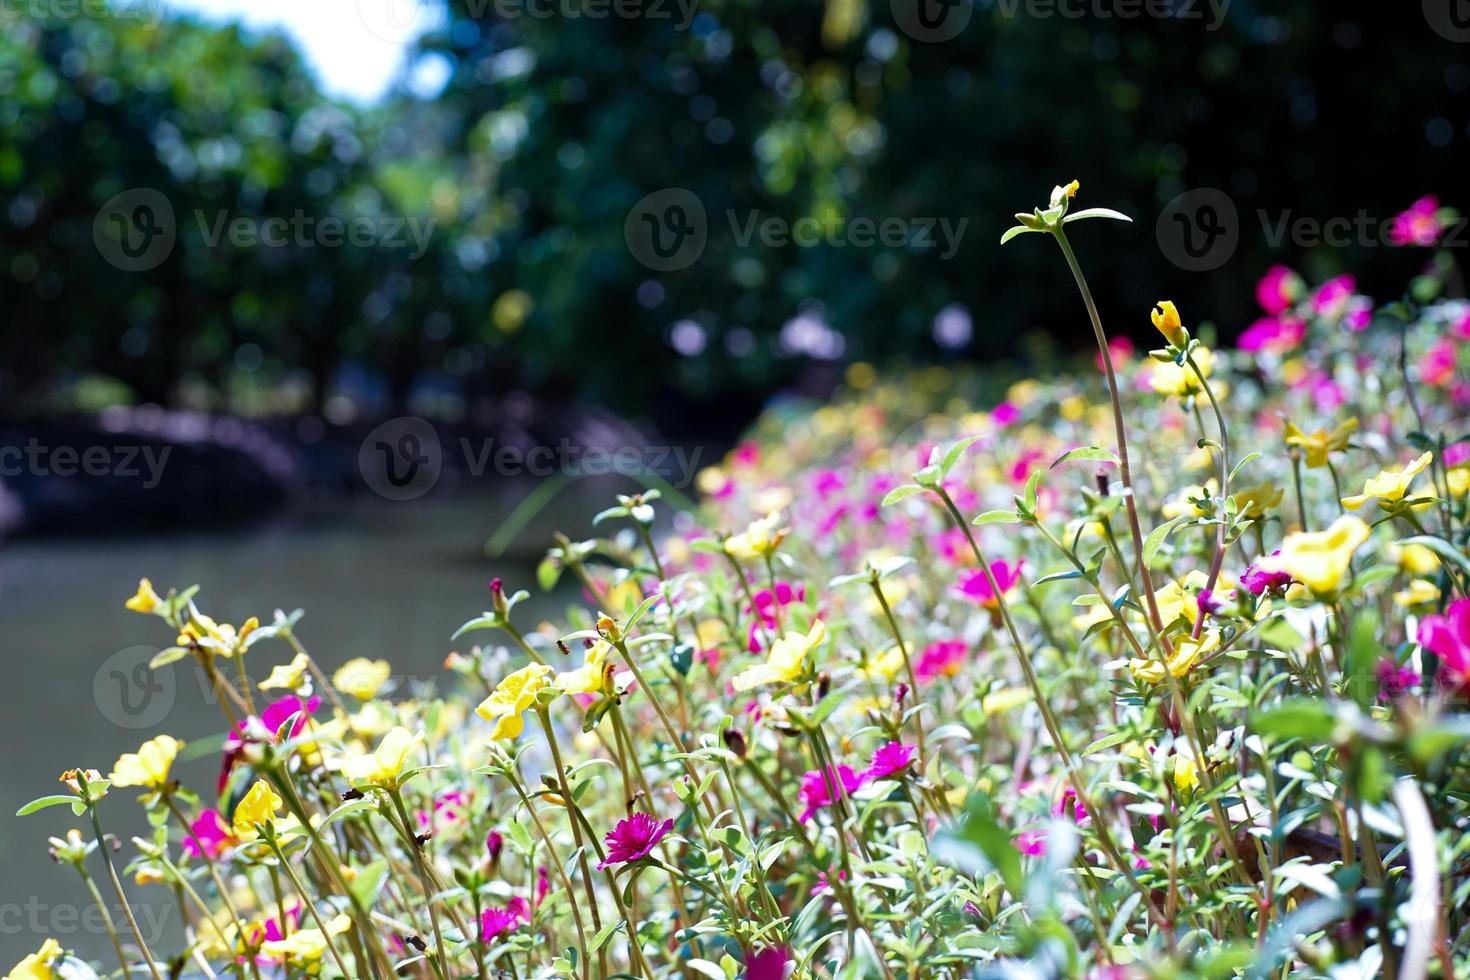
{"x": 1395, "y": 681}
{"x": 1448, "y": 636}
{"x": 974, "y": 585}
{"x": 496, "y": 921}
{"x": 942, "y": 658}
{"x": 212, "y": 833}
{"x": 768, "y": 964}
{"x": 1258, "y": 579}
{"x": 1278, "y": 289}
{"x": 817, "y": 788}
{"x": 633, "y": 838}
{"x": 891, "y": 758}
{"x": 1419, "y": 225}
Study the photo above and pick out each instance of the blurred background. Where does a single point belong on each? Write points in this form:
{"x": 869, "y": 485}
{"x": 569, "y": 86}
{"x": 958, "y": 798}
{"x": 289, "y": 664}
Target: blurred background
{"x": 303, "y": 301}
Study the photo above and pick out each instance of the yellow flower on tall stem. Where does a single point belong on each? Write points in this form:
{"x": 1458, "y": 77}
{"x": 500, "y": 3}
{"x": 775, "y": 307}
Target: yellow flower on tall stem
{"x": 588, "y": 678}
{"x": 258, "y": 807}
{"x": 39, "y": 965}
{"x": 1320, "y": 559}
{"x": 1188, "y": 652}
{"x": 145, "y": 600}
{"x": 1389, "y": 486}
{"x": 1166, "y": 318}
{"x": 511, "y": 697}
{"x": 362, "y": 678}
{"x": 786, "y": 661}
{"x": 384, "y": 765}
{"x": 1317, "y": 446}
{"x": 149, "y": 766}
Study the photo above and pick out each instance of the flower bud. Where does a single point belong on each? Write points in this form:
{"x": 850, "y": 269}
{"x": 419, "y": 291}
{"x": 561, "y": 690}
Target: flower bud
{"x": 1166, "y": 318}
{"x": 735, "y": 742}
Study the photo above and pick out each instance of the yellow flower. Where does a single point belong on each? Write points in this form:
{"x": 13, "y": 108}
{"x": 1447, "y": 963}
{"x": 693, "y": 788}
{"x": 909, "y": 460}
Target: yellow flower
{"x": 1185, "y": 503}
{"x": 886, "y": 666}
{"x": 1316, "y": 446}
{"x": 788, "y": 656}
{"x": 221, "y": 639}
{"x": 149, "y": 766}
{"x": 511, "y": 697}
{"x": 1186, "y": 773}
{"x": 288, "y": 676}
{"x": 37, "y": 966}
{"x": 148, "y": 876}
{"x": 1187, "y": 652}
{"x": 1256, "y": 501}
{"x": 1389, "y": 486}
{"x": 145, "y": 600}
{"x": 1172, "y": 379}
{"x": 361, "y": 677}
{"x": 758, "y": 540}
{"x": 383, "y": 766}
{"x": 1003, "y": 700}
{"x": 258, "y": 807}
{"x": 588, "y": 678}
{"x": 1166, "y": 318}
{"x": 1419, "y": 593}
{"x": 1319, "y": 560}
{"x": 1414, "y": 559}
{"x": 305, "y": 947}
{"x": 1458, "y": 479}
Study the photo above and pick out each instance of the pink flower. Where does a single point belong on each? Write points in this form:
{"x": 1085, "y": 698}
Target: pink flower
{"x": 973, "y": 584}
{"x": 1437, "y": 366}
{"x": 824, "y": 883}
{"x": 276, "y": 713}
{"x": 1278, "y": 289}
{"x": 1448, "y": 636}
{"x": 1031, "y": 843}
{"x": 1071, "y": 807}
{"x": 264, "y": 729}
{"x": 1276, "y": 335}
{"x": 891, "y": 758}
{"x": 543, "y": 884}
{"x": 1395, "y": 681}
{"x": 768, "y": 964}
{"x": 1419, "y": 225}
{"x": 494, "y": 844}
{"x": 942, "y": 658}
{"x": 1258, "y": 579}
{"x": 633, "y": 838}
{"x": 495, "y": 921}
{"x": 816, "y": 788}
{"x": 1332, "y": 297}
{"x": 212, "y": 833}
{"x": 1121, "y": 349}
{"x": 1004, "y": 414}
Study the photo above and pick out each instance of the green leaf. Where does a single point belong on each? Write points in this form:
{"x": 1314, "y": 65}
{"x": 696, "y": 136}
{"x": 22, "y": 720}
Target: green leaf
{"x": 1031, "y": 485}
{"x": 902, "y": 492}
{"x": 1238, "y": 466}
{"x": 489, "y": 621}
{"x": 1094, "y": 453}
{"x": 1308, "y": 718}
{"x": 953, "y": 453}
{"x": 1013, "y": 232}
{"x": 979, "y": 841}
{"x": 1083, "y": 215}
{"x": 602, "y": 937}
{"x": 1157, "y": 537}
{"x": 41, "y": 803}
{"x": 997, "y": 517}
{"x": 165, "y": 657}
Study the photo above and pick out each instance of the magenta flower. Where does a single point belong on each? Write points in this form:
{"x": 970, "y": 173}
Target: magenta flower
{"x": 894, "y": 757}
{"x": 1278, "y": 290}
{"x": 1437, "y": 366}
{"x": 1334, "y": 297}
{"x": 942, "y": 658}
{"x": 1395, "y": 681}
{"x": 543, "y": 884}
{"x": 973, "y": 584}
{"x": 768, "y": 964}
{"x": 1273, "y": 334}
{"x": 494, "y": 844}
{"x": 816, "y": 788}
{"x": 1448, "y": 636}
{"x": 1258, "y": 579}
{"x": 213, "y": 835}
{"x": 1031, "y": 843}
{"x": 263, "y": 730}
{"x": 633, "y": 838}
{"x": 1070, "y": 807}
{"x": 495, "y": 921}
{"x": 1419, "y": 225}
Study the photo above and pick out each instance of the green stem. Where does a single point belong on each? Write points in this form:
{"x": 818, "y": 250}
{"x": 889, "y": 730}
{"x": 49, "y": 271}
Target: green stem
{"x": 117, "y": 887}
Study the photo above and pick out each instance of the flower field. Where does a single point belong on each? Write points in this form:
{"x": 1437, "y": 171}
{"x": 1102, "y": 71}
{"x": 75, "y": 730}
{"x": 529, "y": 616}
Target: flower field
{"x": 1155, "y": 668}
